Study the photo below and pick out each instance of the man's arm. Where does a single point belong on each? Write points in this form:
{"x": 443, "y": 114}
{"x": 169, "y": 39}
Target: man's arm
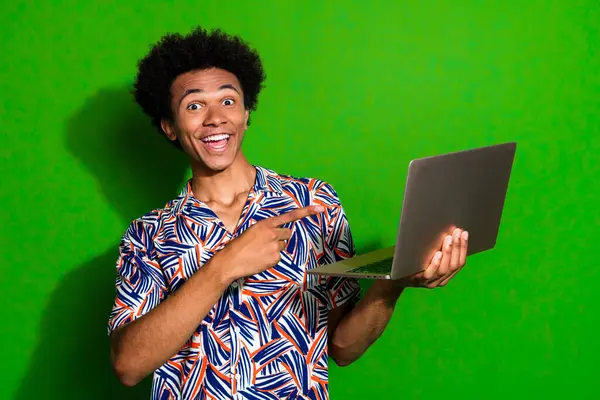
{"x": 140, "y": 347}
{"x": 146, "y": 331}
{"x": 353, "y": 330}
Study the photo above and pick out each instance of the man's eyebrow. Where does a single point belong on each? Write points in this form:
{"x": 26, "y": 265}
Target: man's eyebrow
{"x": 229, "y": 86}
{"x": 222, "y": 87}
{"x": 188, "y": 92}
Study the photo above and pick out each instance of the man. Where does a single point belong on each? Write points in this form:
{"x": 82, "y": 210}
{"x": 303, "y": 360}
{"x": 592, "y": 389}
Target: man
{"x": 212, "y": 293}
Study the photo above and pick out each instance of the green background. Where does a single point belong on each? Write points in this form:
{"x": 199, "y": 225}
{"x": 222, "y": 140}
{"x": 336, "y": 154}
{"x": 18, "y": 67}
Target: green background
{"x": 354, "y": 91}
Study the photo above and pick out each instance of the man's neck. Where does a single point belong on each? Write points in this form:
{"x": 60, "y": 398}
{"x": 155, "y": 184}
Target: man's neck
{"x": 225, "y": 186}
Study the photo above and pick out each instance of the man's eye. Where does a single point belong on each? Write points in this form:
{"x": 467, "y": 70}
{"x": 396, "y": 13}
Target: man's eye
{"x": 228, "y": 102}
{"x": 194, "y": 106}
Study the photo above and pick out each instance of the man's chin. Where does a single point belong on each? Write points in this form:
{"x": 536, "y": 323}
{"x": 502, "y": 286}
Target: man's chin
{"x": 218, "y": 168}
{"x": 212, "y": 166}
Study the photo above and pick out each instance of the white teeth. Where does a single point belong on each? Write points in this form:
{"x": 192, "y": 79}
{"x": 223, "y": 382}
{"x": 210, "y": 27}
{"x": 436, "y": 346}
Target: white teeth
{"x": 215, "y": 138}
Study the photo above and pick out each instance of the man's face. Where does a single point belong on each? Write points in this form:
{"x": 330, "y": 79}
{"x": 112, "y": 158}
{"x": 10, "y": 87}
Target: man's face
{"x": 209, "y": 117}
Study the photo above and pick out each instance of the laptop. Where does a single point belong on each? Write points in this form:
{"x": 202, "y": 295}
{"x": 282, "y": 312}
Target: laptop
{"x": 465, "y": 189}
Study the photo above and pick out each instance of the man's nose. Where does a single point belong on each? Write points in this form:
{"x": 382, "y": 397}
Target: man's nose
{"x": 214, "y": 116}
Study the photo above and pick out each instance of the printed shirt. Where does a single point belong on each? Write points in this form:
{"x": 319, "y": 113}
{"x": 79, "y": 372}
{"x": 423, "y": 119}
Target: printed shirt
{"x": 266, "y": 338}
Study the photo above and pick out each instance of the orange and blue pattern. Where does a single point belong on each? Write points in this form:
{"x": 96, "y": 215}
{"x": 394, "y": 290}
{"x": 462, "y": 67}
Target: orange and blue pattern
{"x": 266, "y": 338}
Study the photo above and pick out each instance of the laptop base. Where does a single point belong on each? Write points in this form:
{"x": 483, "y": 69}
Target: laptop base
{"x": 373, "y": 265}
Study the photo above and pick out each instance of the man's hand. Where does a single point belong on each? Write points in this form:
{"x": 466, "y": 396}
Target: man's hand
{"x": 259, "y": 248}
{"x": 445, "y": 264}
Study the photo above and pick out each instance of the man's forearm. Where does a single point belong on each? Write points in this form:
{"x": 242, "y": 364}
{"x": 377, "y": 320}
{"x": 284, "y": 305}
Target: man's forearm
{"x": 363, "y": 325}
{"x": 143, "y": 345}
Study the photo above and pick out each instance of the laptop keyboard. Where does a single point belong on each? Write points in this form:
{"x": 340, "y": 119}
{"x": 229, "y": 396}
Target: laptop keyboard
{"x": 380, "y": 267}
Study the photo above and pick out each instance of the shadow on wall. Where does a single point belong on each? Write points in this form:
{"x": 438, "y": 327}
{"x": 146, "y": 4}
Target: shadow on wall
{"x": 137, "y": 170}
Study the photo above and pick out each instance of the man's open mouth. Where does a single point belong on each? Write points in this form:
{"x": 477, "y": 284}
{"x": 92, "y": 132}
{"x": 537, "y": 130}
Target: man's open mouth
{"x": 217, "y": 142}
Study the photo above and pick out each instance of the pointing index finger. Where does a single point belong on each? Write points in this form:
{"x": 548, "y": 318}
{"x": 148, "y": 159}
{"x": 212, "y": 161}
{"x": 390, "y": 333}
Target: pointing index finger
{"x": 297, "y": 214}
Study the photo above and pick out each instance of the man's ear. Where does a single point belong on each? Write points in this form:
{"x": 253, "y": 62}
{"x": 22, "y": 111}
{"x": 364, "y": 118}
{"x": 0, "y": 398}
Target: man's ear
{"x": 246, "y": 116}
{"x": 168, "y": 129}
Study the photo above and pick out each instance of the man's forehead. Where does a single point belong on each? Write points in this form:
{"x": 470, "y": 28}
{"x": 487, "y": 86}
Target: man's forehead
{"x": 206, "y": 80}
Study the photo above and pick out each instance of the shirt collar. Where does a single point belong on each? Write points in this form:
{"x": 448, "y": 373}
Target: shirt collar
{"x": 266, "y": 181}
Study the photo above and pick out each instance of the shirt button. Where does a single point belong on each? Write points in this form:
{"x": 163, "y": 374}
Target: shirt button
{"x": 237, "y": 377}
{"x": 234, "y": 285}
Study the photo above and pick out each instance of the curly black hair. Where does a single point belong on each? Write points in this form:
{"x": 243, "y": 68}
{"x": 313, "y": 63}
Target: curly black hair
{"x": 176, "y": 54}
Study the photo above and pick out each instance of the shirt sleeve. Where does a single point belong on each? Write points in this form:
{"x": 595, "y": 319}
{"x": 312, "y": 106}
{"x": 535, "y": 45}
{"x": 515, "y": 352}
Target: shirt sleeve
{"x": 338, "y": 244}
{"x": 139, "y": 282}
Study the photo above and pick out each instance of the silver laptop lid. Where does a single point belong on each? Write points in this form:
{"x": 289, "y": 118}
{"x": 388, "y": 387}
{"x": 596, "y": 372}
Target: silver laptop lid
{"x": 465, "y": 189}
